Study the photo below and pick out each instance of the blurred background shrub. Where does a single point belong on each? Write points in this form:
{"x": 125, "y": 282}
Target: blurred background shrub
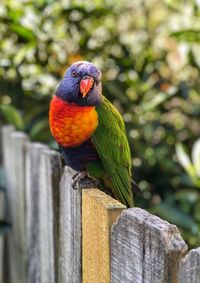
{"x": 149, "y": 54}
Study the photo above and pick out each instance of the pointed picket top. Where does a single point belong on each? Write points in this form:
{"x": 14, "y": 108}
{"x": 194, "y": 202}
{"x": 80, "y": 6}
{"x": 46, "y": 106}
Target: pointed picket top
{"x": 145, "y": 248}
{"x": 99, "y": 212}
{"x": 190, "y": 267}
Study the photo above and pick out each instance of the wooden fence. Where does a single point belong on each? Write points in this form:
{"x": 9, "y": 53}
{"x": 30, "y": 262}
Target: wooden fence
{"x": 63, "y": 235}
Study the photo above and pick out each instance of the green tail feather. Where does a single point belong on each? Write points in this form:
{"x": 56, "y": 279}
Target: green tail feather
{"x": 113, "y": 149}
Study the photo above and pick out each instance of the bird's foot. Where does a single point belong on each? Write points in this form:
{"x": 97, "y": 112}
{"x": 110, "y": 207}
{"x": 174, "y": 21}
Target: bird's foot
{"x": 82, "y": 181}
{"x": 77, "y": 178}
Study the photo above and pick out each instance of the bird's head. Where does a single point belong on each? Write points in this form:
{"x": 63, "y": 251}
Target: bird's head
{"x": 81, "y": 84}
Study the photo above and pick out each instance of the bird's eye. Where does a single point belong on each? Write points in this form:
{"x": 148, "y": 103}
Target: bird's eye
{"x": 74, "y": 74}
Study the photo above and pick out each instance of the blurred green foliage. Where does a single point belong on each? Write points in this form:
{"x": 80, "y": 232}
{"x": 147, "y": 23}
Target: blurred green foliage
{"x": 191, "y": 166}
{"x": 149, "y": 54}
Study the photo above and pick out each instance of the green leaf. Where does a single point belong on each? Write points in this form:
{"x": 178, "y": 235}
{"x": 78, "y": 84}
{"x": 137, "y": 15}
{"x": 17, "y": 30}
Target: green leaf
{"x": 20, "y": 55}
{"x": 175, "y": 216}
{"x": 23, "y": 32}
{"x": 40, "y": 131}
{"x": 190, "y": 196}
{"x": 14, "y": 14}
{"x": 197, "y": 211}
{"x": 12, "y": 116}
{"x": 184, "y": 160}
{"x": 158, "y": 99}
{"x": 196, "y": 156}
{"x": 188, "y": 35}
{"x": 4, "y": 227}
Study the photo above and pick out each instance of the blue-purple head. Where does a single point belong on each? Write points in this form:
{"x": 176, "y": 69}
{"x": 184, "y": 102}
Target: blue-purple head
{"x": 81, "y": 84}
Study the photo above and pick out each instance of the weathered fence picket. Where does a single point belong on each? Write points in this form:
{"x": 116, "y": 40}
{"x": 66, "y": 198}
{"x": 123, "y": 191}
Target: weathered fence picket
{"x": 99, "y": 212}
{"x": 71, "y": 236}
{"x": 18, "y": 147}
{"x": 70, "y": 231}
{"x": 33, "y": 156}
{"x": 2, "y": 216}
{"x": 2, "y": 240}
{"x": 190, "y": 267}
{"x": 6, "y": 160}
{"x": 49, "y": 178}
{"x": 14, "y": 146}
{"x": 145, "y": 248}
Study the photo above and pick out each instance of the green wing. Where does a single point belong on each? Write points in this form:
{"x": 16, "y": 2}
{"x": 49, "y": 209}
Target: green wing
{"x": 113, "y": 149}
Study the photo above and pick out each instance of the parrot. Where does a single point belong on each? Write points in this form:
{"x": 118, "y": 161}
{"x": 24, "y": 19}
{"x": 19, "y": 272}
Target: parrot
{"x": 90, "y": 131}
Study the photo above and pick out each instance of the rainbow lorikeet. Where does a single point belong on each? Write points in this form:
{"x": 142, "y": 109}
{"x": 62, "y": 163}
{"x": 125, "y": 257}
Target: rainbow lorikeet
{"x": 90, "y": 131}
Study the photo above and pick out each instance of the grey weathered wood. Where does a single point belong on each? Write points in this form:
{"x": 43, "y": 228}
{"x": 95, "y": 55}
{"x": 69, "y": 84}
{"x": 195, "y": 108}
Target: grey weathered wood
{"x": 49, "y": 177}
{"x": 33, "y": 155}
{"x": 7, "y": 163}
{"x": 145, "y": 248}
{"x": 14, "y": 168}
{"x": 2, "y": 206}
{"x": 2, "y": 209}
{"x": 2, "y": 178}
{"x": 70, "y": 230}
{"x": 190, "y": 267}
{"x": 18, "y": 218}
{"x": 2, "y": 239}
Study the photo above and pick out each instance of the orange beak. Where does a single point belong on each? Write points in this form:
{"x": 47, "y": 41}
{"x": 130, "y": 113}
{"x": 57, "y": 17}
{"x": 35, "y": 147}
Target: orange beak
{"x": 86, "y": 84}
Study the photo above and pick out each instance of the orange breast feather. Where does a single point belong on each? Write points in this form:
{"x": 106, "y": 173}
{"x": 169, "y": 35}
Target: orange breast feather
{"x": 70, "y": 124}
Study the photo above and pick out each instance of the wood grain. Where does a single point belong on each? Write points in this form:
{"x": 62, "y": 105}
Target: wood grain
{"x": 33, "y": 155}
{"x": 70, "y": 230}
{"x": 7, "y": 165}
{"x": 18, "y": 208}
{"x": 190, "y": 267}
{"x": 99, "y": 212}
{"x": 145, "y": 248}
{"x": 18, "y": 144}
{"x": 49, "y": 178}
{"x": 2, "y": 201}
{"x": 2, "y": 238}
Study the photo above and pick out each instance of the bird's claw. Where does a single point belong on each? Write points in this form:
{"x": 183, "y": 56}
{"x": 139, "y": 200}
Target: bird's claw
{"x": 82, "y": 181}
{"x": 77, "y": 178}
